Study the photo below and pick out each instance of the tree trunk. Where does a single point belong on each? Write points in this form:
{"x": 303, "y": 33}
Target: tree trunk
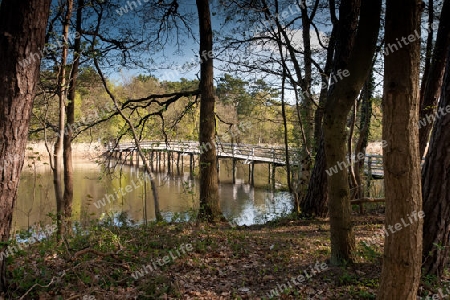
{"x": 354, "y": 53}
{"x": 147, "y": 168}
{"x": 209, "y": 190}
{"x": 436, "y": 189}
{"x": 400, "y": 275}
{"x": 59, "y": 144}
{"x": 70, "y": 112}
{"x": 308, "y": 109}
{"x": 432, "y": 80}
{"x": 361, "y": 144}
{"x": 351, "y": 172}
{"x": 22, "y": 32}
{"x": 316, "y": 198}
{"x": 286, "y": 139}
{"x": 306, "y": 87}
{"x": 315, "y": 201}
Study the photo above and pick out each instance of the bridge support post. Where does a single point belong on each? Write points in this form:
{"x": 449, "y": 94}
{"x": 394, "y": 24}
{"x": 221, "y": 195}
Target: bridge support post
{"x": 159, "y": 161}
{"x": 218, "y": 170}
{"x": 182, "y": 163}
{"x": 178, "y": 163}
{"x": 234, "y": 171}
{"x": 151, "y": 161}
{"x": 137, "y": 159}
{"x": 252, "y": 172}
{"x": 191, "y": 165}
{"x": 369, "y": 173}
{"x": 173, "y": 161}
{"x": 168, "y": 162}
{"x": 164, "y": 160}
{"x": 273, "y": 175}
{"x": 273, "y": 168}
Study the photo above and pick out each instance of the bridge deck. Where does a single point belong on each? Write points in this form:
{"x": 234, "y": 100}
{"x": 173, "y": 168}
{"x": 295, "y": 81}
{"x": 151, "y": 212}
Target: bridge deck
{"x": 373, "y": 164}
{"x": 247, "y": 153}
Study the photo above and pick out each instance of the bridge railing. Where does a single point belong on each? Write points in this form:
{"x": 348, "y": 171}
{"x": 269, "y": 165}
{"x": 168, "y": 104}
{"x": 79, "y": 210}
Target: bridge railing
{"x": 373, "y": 164}
{"x": 242, "y": 151}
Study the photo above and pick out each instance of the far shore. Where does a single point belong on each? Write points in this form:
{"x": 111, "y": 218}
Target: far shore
{"x": 80, "y": 151}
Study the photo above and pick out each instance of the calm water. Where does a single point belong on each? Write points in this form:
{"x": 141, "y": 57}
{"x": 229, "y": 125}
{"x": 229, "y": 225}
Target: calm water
{"x": 129, "y": 193}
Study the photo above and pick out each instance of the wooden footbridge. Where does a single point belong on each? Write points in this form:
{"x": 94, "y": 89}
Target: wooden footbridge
{"x": 170, "y": 155}
{"x": 162, "y": 155}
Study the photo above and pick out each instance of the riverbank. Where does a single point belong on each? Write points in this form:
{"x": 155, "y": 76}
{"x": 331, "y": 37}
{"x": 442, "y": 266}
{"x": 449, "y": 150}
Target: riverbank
{"x": 186, "y": 261}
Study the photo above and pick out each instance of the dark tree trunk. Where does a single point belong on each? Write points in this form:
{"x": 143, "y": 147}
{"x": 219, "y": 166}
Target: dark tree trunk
{"x": 364, "y": 125}
{"x": 400, "y": 275}
{"x": 316, "y": 198}
{"x": 306, "y": 86}
{"x": 22, "y": 32}
{"x": 286, "y": 138}
{"x": 358, "y": 32}
{"x": 209, "y": 190}
{"x": 308, "y": 108}
{"x": 432, "y": 79}
{"x": 436, "y": 189}
{"x": 315, "y": 202}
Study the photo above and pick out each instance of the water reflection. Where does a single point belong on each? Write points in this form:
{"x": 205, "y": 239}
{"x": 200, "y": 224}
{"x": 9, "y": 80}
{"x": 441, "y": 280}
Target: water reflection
{"x": 178, "y": 194}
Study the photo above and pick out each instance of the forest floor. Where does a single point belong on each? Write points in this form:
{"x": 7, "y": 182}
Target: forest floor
{"x": 189, "y": 261}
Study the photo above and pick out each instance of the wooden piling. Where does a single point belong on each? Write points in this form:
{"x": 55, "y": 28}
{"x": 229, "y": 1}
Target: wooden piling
{"x": 252, "y": 172}
{"x": 137, "y": 159}
{"x": 159, "y": 161}
{"x": 151, "y": 161}
{"x": 191, "y": 165}
{"x": 234, "y": 171}
{"x": 169, "y": 154}
{"x": 218, "y": 169}
{"x": 273, "y": 175}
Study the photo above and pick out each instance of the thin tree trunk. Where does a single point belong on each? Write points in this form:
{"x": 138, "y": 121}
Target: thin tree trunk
{"x": 361, "y": 144}
{"x": 432, "y": 79}
{"x": 285, "y": 136}
{"x": 306, "y": 107}
{"x": 354, "y": 53}
{"x": 67, "y": 155}
{"x": 59, "y": 144}
{"x": 351, "y": 172}
{"x": 429, "y": 44}
{"x": 400, "y": 275}
{"x": 147, "y": 168}
{"x": 209, "y": 190}
{"x": 316, "y": 198}
{"x": 436, "y": 190}
{"x": 306, "y": 88}
{"x": 22, "y": 36}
